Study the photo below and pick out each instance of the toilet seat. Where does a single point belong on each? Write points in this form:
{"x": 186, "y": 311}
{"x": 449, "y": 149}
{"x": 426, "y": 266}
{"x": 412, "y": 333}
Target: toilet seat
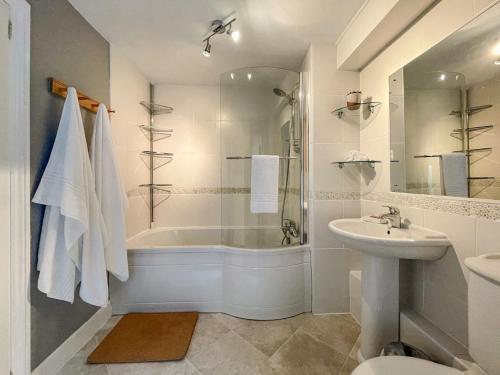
{"x": 394, "y": 365}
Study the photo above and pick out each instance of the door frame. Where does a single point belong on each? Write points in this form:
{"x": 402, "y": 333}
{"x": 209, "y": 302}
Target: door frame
{"x": 19, "y": 141}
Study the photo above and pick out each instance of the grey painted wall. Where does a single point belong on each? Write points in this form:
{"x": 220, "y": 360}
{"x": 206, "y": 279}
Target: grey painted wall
{"x": 66, "y": 47}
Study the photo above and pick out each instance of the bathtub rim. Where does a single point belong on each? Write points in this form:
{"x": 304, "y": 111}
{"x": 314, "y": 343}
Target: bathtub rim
{"x": 216, "y": 248}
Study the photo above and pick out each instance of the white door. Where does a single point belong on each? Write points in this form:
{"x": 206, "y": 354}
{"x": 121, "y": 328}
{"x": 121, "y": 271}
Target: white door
{"x": 5, "y": 242}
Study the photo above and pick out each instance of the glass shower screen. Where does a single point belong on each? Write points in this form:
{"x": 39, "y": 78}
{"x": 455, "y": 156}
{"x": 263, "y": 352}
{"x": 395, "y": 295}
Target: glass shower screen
{"x": 260, "y": 115}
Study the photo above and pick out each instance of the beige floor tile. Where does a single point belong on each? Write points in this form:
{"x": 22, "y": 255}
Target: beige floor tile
{"x": 154, "y": 368}
{"x": 208, "y": 329}
{"x": 303, "y": 354}
{"x": 230, "y": 355}
{"x": 78, "y": 366}
{"x": 267, "y": 336}
{"x": 110, "y": 324}
{"x": 339, "y": 331}
{"x": 348, "y": 367}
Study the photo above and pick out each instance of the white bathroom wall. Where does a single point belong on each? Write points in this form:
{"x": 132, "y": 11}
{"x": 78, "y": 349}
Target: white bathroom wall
{"x": 334, "y": 192}
{"x": 438, "y": 289}
{"x": 195, "y": 168}
{"x": 481, "y": 93}
{"x": 128, "y": 87}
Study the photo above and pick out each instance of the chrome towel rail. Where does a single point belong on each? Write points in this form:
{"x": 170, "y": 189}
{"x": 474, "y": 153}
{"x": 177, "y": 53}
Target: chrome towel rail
{"x": 249, "y": 157}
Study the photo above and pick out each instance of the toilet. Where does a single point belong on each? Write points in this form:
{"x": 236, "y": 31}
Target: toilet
{"x": 484, "y": 329}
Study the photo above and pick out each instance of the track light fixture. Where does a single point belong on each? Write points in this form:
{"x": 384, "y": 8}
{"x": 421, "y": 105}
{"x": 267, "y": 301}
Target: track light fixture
{"x": 219, "y": 27}
{"x": 208, "y": 47}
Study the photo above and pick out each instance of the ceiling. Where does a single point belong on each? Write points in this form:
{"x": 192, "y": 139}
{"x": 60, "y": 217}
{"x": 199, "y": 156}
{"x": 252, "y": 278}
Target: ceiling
{"x": 164, "y": 37}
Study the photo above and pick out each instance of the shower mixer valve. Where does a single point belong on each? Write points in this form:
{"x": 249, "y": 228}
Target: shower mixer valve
{"x": 289, "y": 229}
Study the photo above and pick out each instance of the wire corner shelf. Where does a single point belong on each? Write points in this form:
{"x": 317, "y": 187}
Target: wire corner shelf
{"x": 156, "y": 109}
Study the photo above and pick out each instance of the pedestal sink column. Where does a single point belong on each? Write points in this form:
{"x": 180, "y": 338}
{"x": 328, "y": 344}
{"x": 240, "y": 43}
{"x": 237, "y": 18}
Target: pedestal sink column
{"x": 379, "y": 305}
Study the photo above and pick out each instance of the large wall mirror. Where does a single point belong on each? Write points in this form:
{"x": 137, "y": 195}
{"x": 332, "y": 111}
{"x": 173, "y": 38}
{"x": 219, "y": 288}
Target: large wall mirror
{"x": 445, "y": 115}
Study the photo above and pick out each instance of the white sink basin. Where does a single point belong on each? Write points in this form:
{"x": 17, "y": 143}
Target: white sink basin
{"x": 413, "y": 242}
{"x": 382, "y": 249}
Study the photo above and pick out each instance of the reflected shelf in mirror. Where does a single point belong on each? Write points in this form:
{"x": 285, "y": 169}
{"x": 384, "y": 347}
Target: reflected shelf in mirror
{"x": 474, "y": 129}
{"x": 471, "y": 110}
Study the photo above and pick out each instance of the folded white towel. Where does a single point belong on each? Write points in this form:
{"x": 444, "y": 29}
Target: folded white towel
{"x": 355, "y": 155}
{"x": 111, "y": 194}
{"x": 71, "y": 243}
{"x": 454, "y": 173}
{"x": 264, "y": 188}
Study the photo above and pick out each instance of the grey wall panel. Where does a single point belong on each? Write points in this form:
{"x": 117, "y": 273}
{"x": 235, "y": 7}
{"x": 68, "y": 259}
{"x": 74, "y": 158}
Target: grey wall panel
{"x": 65, "y": 46}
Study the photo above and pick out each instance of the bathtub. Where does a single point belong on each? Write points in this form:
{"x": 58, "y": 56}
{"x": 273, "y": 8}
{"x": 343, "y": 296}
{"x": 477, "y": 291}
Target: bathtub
{"x": 189, "y": 270}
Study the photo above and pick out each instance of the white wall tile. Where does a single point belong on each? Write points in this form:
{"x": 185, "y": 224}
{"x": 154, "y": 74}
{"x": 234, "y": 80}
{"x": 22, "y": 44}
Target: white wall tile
{"x": 331, "y": 280}
{"x": 324, "y": 212}
{"x": 488, "y": 236}
{"x": 128, "y": 87}
{"x": 446, "y": 311}
{"x": 461, "y": 230}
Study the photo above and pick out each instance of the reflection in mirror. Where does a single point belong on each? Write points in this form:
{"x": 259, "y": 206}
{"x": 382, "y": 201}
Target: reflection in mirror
{"x": 445, "y": 115}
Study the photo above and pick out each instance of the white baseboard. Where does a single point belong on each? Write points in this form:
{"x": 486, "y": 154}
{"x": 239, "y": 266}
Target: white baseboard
{"x": 67, "y": 350}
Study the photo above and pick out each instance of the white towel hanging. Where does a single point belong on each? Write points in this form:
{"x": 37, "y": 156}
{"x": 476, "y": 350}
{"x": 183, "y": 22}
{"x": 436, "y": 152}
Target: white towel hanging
{"x": 71, "y": 244}
{"x": 264, "y": 184}
{"x": 110, "y": 193}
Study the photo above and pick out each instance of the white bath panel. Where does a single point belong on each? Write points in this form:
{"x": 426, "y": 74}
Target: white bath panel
{"x": 249, "y": 283}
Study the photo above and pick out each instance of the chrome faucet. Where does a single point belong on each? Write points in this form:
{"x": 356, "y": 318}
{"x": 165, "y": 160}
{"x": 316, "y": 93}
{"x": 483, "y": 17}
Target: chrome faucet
{"x": 289, "y": 229}
{"x": 393, "y": 218}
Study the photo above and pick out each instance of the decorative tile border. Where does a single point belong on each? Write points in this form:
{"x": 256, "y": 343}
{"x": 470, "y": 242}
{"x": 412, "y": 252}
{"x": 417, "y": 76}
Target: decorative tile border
{"x": 336, "y": 196}
{"x": 174, "y": 190}
{"x": 486, "y": 209}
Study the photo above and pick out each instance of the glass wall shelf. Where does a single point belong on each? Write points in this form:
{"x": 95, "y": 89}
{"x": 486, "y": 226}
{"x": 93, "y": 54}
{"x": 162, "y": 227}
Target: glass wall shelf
{"x": 370, "y": 163}
{"x": 363, "y": 107}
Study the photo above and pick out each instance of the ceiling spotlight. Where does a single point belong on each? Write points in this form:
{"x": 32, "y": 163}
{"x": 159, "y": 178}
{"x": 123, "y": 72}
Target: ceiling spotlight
{"x": 208, "y": 47}
{"x": 236, "y": 35}
{"x": 220, "y": 27}
{"x": 249, "y": 76}
{"x": 232, "y": 75}
{"x": 496, "y": 49}
{"x": 497, "y": 62}
{"x": 442, "y": 77}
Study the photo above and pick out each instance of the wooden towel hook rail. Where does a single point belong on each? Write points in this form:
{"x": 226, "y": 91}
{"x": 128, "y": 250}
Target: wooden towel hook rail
{"x": 61, "y": 89}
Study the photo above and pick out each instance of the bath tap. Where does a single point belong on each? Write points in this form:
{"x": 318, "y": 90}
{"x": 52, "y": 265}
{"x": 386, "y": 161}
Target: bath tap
{"x": 289, "y": 229}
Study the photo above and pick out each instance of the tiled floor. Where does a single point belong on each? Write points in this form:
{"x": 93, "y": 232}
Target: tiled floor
{"x": 224, "y": 345}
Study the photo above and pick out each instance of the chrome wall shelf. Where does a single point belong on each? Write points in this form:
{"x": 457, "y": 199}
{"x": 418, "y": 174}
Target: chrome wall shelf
{"x": 156, "y": 134}
{"x": 363, "y": 107}
{"x": 156, "y": 109}
{"x": 156, "y": 154}
{"x": 155, "y": 159}
{"x": 370, "y": 163}
{"x": 153, "y": 190}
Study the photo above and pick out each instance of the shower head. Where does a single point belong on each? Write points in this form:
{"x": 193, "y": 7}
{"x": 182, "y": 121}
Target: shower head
{"x": 283, "y": 94}
{"x": 280, "y": 92}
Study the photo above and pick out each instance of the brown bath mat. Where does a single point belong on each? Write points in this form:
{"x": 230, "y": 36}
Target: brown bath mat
{"x": 154, "y": 337}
